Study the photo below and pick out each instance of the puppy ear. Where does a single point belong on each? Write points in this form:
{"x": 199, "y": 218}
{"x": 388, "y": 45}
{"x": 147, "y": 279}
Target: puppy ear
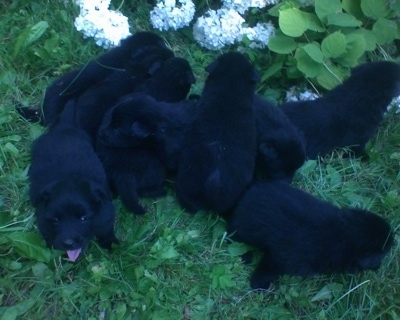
{"x": 211, "y": 67}
{"x": 42, "y": 199}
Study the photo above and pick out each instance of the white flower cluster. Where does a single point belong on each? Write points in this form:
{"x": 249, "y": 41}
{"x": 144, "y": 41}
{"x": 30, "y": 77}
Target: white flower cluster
{"x": 242, "y": 6}
{"x": 172, "y": 14}
{"x": 222, "y": 27}
{"x": 259, "y": 35}
{"x": 218, "y": 28}
{"x": 107, "y": 27}
{"x": 294, "y": 95}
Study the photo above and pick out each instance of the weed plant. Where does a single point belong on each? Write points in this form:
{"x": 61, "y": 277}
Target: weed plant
{"x": 170, "y": 265}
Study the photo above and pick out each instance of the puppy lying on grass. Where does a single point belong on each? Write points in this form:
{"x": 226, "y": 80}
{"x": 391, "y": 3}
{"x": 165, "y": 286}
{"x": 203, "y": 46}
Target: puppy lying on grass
{"x": 69, "y": 189}
{"x": 349, "y": 115}
{"x": 142, "y": 132}
{"x": 302, "y": 235}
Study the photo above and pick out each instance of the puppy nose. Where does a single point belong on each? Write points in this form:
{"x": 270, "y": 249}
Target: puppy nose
{"x": 68, "y": 243}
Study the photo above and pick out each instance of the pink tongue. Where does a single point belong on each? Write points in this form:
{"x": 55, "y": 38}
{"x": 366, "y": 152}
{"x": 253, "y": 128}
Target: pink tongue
{"x": 73, "y": 254}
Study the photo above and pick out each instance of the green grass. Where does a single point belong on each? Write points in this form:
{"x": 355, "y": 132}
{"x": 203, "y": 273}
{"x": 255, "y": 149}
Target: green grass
{"x": 168, "y": 262}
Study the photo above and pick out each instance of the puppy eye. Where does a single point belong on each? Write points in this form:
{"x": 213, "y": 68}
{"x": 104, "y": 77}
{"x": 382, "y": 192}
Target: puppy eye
{"x": 84, "y": 218}
{"x": 54, "y": 220}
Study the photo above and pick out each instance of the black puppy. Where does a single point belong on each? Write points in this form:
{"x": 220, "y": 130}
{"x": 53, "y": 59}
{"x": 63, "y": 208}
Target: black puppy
{"x": 72, "y": 84}
{"x": 69, "y": 189}
{"x": 139, "y": 142}
{"x": 281, "y": 146}
{"x": 131, "y": 167}
{"x": 171, "y": 83}
{"x": 218, "y": 158}
{"x": 140, "y": 121}
{"x": 93, "y": 103}
{"x": 299, "y": 234}
{"x": 348, "y": 115}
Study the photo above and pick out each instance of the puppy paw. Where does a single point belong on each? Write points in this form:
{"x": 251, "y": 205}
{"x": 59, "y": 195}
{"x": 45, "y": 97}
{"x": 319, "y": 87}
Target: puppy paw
{"x": 107, "y": 241}
{"x": 262, "y": 280}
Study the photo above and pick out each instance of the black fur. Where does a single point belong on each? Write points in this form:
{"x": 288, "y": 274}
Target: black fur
{"x": 69, "y": 189}
{"x": 129, "y": 148}
{"x": 301, "y": 235}
{"x": 95, "y": 101}
{"x": 348, "y": 115}
{"x": 218, "y": 158}
{"x": 72, "y": 84}
{"x": 171, "y": 83}
{"x": 281, "y": 146}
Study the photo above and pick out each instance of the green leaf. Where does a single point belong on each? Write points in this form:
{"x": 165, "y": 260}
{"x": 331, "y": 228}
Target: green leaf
{"x": 375, "y": 9}
{"x": 334, "y": 45}
{"x": 18, "y": 309}
{"x": 272, "y": 70}
{"x": 343, "y": 20}
{"x": 353, "y": 7}
{"x": 237, "y": 249}
{"x": 306, "y": 64}
{"x": 385, "y": 31}
{"x": 328, "y": 291}
{"x": 369, "y": 37}
{"x": 314, "y": 52}
{"x": 30, "y": 35}
{"x": 333, "y": 176}
{"x": 11, "y": 148}
{"x": 331, "y": 76}
{"x": 355, "y": 48}
{"x": 282, "y": 44}
{"x": 308, "y": 167}
{"x": 120, "y": 310}
{"x": 274, "y": 11}
{"x": 394, "y": 5}
{"x": 323, "y": 8}
{"x": 314, "y": 23}
{"x": 29, "y": 245}
{"x": 292, "y": 22}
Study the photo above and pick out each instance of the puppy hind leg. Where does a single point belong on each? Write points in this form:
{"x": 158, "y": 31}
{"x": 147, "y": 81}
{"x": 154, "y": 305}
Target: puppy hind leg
{"x": 264, "y": 274}
{"x": 126, "y": 186}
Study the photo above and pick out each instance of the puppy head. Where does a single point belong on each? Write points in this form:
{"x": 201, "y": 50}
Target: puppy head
{"x": 372, "y": 237}
{"x": 171, "y": 82}
{"x": 147, "y": 61}
{"x": 66, "y": 214}
{"x": 143, "y": 39}
{"x": 233, "y": 65}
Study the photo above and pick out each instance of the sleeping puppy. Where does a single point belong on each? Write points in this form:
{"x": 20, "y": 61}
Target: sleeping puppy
{"x": 348, "y": 115}
{"x": 131, "y": 167}
{"x": 69, "y": 189}
{"x": 140, "y": 121}
{"x": 72, "y": 84}
{"x": 301, "y": 235}
{"x": 127, "y": 145}
{"x": 93, "y": 103}
{"x": 171, "y": 83}
{"x": 281, "y": 146}
{"x": 218, "y": 158}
